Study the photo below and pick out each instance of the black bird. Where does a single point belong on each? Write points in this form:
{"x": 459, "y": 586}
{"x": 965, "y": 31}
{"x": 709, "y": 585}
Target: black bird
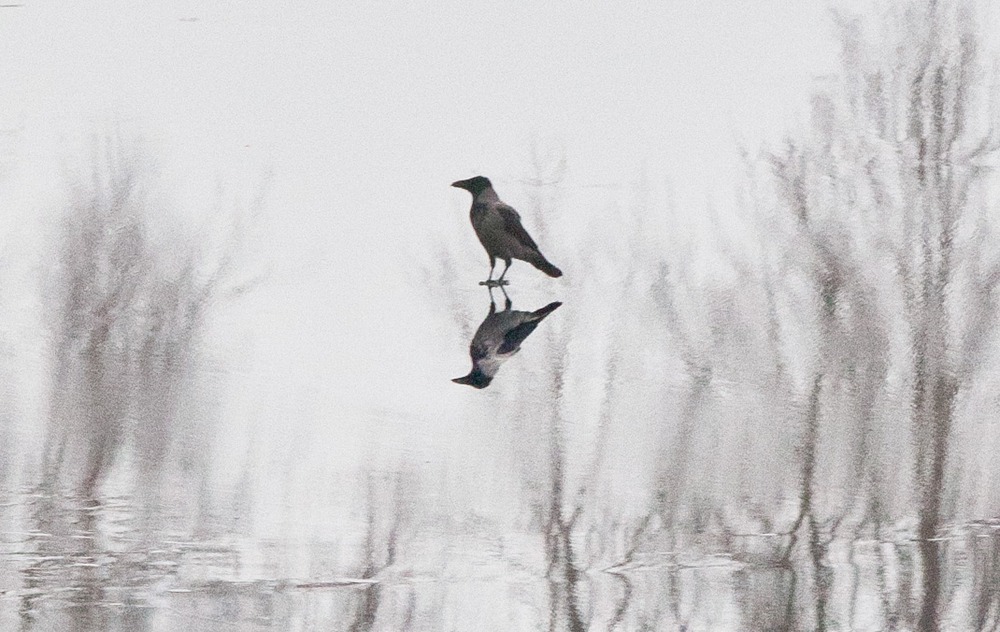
{"x": 498, "y": 338}
{"x": 499, "y": 228}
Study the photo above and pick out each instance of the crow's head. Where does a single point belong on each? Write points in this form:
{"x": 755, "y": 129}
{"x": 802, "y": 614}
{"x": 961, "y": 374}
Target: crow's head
{"x": 473, "y": 185}
{"x": 475, "y": 378}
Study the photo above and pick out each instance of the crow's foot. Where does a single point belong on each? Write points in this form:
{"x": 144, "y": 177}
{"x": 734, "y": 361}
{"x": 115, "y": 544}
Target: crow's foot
{"x": 494, "y": 283}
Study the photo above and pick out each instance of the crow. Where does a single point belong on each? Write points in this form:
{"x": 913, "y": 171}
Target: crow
{"x": 498, "y": 338}
{"x": 499, "y": 229}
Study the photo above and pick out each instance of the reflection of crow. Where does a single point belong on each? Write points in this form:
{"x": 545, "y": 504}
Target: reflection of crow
{"x": 498, "y": 227}
{"x": 498, "y": 338}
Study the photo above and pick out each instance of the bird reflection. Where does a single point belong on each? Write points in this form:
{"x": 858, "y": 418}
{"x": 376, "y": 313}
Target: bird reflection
{"x": 498, "y": 338}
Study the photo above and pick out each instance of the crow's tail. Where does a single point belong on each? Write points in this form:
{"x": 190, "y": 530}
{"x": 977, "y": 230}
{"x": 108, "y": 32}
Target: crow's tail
{"x": 539, "y": 314}
{"x": 542, "y": 264}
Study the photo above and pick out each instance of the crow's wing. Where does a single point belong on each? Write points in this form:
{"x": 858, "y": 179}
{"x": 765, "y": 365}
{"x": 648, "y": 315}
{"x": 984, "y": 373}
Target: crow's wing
{"x": 513, "y": 338}
{"x": 512, "y": 224}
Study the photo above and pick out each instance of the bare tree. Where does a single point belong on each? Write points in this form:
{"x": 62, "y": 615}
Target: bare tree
{"x": 889, "y": 169}
{"x": 128, "y": 308}
{"x": 389, "y": 500}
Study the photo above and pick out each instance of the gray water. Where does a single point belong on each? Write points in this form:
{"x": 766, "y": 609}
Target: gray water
{"x": 86, "y": 575}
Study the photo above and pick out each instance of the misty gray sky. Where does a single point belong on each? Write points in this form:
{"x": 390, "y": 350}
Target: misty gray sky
{"x": 354, "y": 105}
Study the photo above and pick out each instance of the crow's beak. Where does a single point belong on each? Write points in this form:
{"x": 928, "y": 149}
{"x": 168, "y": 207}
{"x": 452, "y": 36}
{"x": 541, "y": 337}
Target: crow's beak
{"x": 471, "y": 380}
{"x": 460, "y": 184}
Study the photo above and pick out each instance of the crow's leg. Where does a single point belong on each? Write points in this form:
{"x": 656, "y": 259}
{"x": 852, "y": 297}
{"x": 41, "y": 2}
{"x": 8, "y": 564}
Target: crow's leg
{"x": 502, "y": 274}
{"x": 489, "y": 282}
{"x": 493, "y": 305}
{"x": 507, "y": 303}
